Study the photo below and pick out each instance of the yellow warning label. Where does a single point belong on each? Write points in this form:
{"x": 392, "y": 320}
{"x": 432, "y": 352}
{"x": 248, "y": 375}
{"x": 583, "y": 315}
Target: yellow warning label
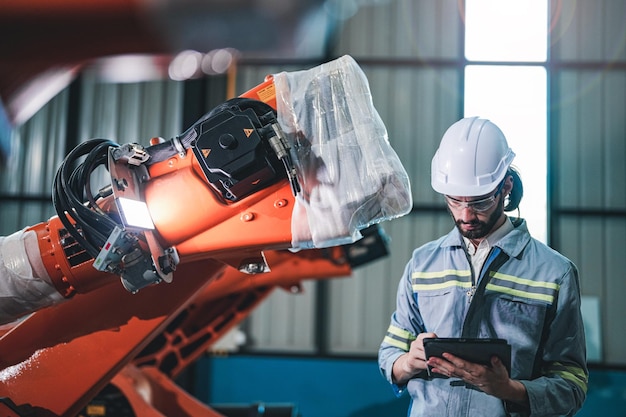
{"x": 248, "y": 132}
{"x": 96, "y": 410}
{"x": 268, "y": 93}
{"x": 206, "y": 152}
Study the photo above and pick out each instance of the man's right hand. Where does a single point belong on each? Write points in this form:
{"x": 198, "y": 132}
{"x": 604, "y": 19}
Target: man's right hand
{"x": 413, "y": 362}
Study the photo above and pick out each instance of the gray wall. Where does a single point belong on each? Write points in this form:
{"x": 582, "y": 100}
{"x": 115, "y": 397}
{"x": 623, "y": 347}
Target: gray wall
{"x": 587, "y": 152}
{"x": 412, "y": 53}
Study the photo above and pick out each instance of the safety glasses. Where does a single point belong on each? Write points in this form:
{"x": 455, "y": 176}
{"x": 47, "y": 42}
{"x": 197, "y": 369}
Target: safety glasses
{"x": 477, "y": 206}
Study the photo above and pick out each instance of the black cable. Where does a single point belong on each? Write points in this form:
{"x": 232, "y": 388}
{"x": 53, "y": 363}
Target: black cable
{"x": 101, "y": 224}
{"x": 73, "y": 200}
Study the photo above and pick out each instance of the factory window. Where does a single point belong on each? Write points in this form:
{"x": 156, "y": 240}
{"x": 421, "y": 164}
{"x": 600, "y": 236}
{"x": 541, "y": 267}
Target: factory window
{"x": 506, "y": 82}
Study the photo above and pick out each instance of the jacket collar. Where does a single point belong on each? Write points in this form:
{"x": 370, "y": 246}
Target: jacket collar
{"x": 512, "y": 244}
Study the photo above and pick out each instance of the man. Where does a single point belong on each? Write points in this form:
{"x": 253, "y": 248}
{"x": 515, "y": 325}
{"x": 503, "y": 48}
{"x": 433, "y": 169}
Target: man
{"x": 487, "y": 278}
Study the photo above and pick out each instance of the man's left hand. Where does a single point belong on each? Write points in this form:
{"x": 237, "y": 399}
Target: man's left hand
{"x": 493, "y": 380}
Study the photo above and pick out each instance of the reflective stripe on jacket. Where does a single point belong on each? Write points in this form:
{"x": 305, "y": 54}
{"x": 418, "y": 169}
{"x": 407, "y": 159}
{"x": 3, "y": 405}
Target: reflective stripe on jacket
{"x": 526, "y": 293}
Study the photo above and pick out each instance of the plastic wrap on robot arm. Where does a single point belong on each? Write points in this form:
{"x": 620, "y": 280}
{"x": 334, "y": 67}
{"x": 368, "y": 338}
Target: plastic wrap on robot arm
{"x": 351, "y": 178}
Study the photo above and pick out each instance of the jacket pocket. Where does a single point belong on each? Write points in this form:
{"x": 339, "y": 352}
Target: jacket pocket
{"x": 521, "y": 322}
{"x": 442, "y": 310}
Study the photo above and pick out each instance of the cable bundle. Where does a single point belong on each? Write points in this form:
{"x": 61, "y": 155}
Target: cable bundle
{"x": 73, "y": 199}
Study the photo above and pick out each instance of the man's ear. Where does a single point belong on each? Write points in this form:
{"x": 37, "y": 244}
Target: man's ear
{"x": 508, "y": 185}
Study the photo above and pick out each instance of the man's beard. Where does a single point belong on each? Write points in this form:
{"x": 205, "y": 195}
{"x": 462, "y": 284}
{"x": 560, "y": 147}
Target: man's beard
{"x": 484, "y": 228}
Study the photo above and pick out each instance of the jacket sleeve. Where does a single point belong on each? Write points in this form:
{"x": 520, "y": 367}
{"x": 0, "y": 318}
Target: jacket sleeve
{"x": 406, "y": 323}
{"x": 561, "y": 389}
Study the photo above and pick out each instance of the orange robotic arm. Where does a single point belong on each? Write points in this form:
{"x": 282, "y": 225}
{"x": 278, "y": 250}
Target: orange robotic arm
{"x": 225, "y": 184}
{"x": 220, "y": 195}
{"x": 57, "y": 359}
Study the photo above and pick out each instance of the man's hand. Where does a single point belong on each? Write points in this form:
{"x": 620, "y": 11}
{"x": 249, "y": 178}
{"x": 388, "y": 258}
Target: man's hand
{"x": 412, "y": 362}
{"x": 493, "y": 380}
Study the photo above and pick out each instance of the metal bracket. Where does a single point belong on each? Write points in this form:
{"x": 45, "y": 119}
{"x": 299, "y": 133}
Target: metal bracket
{"x": 280, "y": 145}
{"x": 137, "y": 267}
{"x": 131, "y": 153}
{"x": 182, "y": 153}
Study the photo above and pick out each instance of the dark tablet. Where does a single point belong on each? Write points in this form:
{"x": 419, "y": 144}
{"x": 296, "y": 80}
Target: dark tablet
{"x": 473, "y": 350}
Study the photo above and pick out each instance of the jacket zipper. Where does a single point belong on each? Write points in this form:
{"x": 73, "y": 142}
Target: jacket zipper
{"x": 472, "y": 290}
{"x": 495, "y": 259}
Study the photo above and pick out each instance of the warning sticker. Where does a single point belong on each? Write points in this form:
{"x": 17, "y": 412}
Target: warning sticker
{"x": 268, "y": 93}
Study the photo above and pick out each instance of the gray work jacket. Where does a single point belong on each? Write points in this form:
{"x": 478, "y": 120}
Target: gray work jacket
{"x": 526, "y": 293}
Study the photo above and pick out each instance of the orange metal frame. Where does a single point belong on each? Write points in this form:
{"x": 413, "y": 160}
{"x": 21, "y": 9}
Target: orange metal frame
{"x": 55, "y": 361}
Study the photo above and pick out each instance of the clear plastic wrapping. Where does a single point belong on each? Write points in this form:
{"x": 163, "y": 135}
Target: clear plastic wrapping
{"x": 23, "y": 289}
{"x": 350, "y": 175}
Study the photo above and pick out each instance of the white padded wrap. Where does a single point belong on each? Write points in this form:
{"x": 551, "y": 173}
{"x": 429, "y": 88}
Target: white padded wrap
{"x": 21, "y": 290}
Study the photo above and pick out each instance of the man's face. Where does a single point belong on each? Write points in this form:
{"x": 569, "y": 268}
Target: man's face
{"x": 480, "y": 224}
{"x": 476, "y": 217}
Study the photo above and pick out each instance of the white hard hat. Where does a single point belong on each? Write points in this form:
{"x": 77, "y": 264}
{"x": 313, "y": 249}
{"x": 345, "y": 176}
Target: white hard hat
{"x": 473, "y": 157}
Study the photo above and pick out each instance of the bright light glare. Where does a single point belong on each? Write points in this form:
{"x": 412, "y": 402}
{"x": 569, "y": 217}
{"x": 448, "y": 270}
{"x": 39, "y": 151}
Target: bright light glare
{"x": 506, "y": 30}
{"x": 129, "y": 69}
{"x": 185, "y": 65}
{"x": 135, "y": 213}
{"x": 218, "y": 61}
{"x": 515, "y": 99}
